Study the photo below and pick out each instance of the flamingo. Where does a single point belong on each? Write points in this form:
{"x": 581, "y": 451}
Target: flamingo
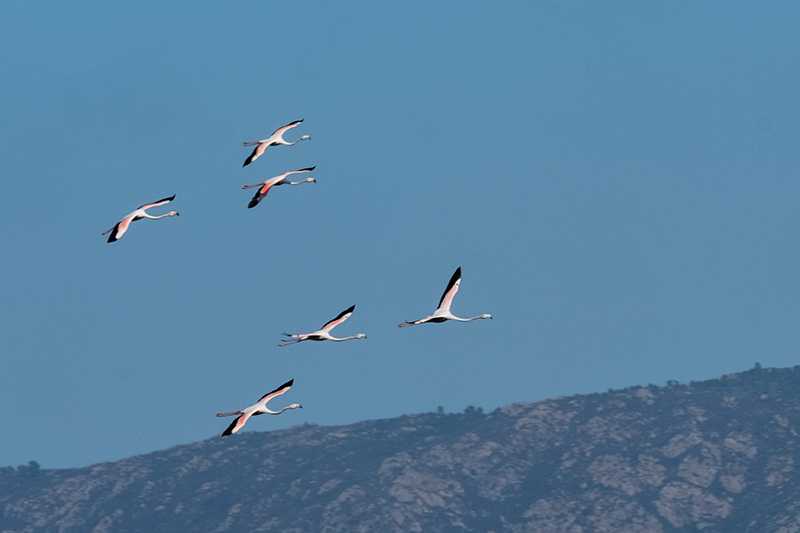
{"x": 273, "y": 140}
{"x": 324, "y": 333}
{"x": 122, "y": 226}
{"x": 442, "y": 312}
{"x": 265, "y": 186}
{"x": 259, "y": 408}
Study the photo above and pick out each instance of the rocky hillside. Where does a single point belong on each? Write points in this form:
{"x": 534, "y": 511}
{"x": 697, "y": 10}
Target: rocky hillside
{"x": 715, "y": 455}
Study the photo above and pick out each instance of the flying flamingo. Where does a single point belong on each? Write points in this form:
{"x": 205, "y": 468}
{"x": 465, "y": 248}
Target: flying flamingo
{"x": 259, "y": 408}
{"x": 122, "y": 226}
{"x": 265, "y": 186}
{"x": 273, "y": 140}
{"x": 324, "y": 333}
{"x": 442, "y": 312}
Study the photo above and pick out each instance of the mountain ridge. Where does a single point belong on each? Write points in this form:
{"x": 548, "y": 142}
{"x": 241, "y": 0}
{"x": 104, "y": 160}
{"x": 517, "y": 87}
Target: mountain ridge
{"x": 717, "y": 455}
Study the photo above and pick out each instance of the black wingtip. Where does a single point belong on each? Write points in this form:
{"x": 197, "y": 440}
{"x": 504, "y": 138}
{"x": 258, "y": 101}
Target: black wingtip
{"x": 343, "y": 313}
{"x": 456, "y": 276}
{"x": 168, "y": 199}
{"x": 229, "y": 429}
{"x": 287, "y": 384}
{"x": 113, "y": 236}
{"x": 252, "y": 204}
{"x": 453, "y": 279}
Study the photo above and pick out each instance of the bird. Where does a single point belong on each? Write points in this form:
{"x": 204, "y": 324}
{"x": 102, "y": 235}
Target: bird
{"x": 259, "y": 408}
{"x": 324, "y": 333}
{"x": 122, "y": 226}
{"x": 442, "y": 312}
{"x": 273, "y": 140}
{"x": 265, "y": 186}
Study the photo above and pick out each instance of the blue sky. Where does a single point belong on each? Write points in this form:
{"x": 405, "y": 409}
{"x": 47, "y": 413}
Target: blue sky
{"x": 618, "y": 182}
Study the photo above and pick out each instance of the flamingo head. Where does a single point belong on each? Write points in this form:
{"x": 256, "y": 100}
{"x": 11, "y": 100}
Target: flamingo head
{"x": 486, "y": 315}
{"x": 173, "y": 214}
{"x": 304, "y": 138}
{"x": 361, "y": 336}
{"x": 294, "y": 406}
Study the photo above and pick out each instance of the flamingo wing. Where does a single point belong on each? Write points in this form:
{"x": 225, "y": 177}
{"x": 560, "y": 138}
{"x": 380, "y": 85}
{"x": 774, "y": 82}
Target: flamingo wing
{"x": 344, "y": 315}
{"x": 309, "y": 169}
{"x": 236, "y": 425}
{"x": 257, "y": 151}
{"x": 432, "y": 318}
{"x": 120, "y": 228}
{"x": 284, "y": 129}
{"x": 450, "y": 291}
{"x": 277, "y": 392}
{"x": 163, "y": 201}
{"x": 260, "y": 194}
{"x": 114, "y": 232}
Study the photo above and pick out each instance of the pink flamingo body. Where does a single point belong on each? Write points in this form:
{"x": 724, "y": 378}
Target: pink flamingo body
{"x": 265, "y": 186}
{"x": 442, "y": 312}
{"x": 122, "y": 226}
{"x": 324, "y": 333}
{"x": 273, "y": 140}
{"x": 259, "y": 408}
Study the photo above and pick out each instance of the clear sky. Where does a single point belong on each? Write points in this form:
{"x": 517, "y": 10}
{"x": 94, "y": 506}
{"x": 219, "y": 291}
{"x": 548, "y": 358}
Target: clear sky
{"x": 618, "y": 181}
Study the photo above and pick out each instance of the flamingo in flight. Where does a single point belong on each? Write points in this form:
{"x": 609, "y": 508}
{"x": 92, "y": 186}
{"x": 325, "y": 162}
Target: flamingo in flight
{"x": 265, "y": 186}
{"x": 273, "y": 140}
{"x": 259, "y": 408}
{"x": 442, "y": 312}
{"x": 324, "y": 333}
{"x": 122, "y": 226}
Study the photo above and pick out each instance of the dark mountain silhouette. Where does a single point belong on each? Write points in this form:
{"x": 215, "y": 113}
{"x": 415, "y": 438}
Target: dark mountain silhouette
{"x": 715, "y": 456}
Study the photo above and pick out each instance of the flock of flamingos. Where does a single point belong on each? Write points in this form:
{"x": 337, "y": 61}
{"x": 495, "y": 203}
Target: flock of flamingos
{"x": 441, "y": 314}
